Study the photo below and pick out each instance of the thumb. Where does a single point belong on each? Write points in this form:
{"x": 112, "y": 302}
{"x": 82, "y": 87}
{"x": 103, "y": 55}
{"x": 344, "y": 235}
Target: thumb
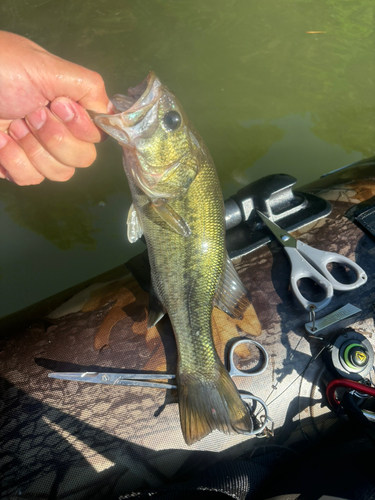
{"x": 45, "y": 75}
{"x": 79, "y": 84}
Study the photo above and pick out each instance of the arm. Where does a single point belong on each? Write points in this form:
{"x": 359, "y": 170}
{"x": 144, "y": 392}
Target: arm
{"x": 45, "y": 131}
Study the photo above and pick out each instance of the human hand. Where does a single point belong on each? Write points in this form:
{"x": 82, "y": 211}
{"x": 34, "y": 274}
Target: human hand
{"x": 45, "y": 131}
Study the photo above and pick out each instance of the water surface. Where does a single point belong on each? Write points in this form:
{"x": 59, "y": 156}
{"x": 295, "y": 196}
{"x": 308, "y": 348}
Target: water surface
{"x": 266, "y": 95}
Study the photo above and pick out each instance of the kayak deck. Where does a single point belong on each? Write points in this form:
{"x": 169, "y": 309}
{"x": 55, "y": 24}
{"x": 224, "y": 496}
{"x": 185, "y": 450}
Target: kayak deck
{"x": 85, "y": 441}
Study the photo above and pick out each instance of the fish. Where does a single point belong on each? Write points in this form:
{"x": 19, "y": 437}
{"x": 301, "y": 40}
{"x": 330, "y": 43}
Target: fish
{"x": 177, "y": 206}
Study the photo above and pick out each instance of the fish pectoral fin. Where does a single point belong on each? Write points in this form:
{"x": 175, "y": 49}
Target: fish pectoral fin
{"x": 231, "y": 293}
{"x": 171, "y": 217}
{"x": 156, "y": 310}
{"x": 135, "y": 230}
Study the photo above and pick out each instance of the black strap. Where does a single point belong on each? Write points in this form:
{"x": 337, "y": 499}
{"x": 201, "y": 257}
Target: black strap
{"x": 355, "y": 415}
{"x": 236, "y": 479}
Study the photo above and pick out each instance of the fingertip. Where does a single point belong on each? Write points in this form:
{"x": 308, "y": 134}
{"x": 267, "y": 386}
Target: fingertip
{"x": 34, "y": 181}
{"x": 18, "y": 129}
{"x": 96, "y": 98}
{"x": 2, "y": 172}
{"x": 111, "y": 110}
{"x": 15, "y": 166}
{"x": 62, "y": 175}
{"x": 4, "y": 139}
{"x": 37, "y": 118}
{"x": 76, "y": 119}
{"x": 33, "y": 178}
{"x": 90, "y": 156}
{"x": 63, "y": 108}
{"x": 67, "y": 110}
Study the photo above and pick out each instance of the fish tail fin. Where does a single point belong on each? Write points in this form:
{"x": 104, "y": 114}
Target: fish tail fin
{"x": 208, "y": 402}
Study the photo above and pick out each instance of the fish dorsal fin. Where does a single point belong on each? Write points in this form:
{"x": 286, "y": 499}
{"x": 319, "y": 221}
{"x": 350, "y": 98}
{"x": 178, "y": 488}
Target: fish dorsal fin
{"x": 231, "y": 293}
{"x": 135, "y": 230}
{"x": 171, "y": 217}
{"x": 156, "y": 310}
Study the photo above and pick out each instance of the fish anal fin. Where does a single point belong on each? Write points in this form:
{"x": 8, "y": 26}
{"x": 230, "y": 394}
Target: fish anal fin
{"x": 231, "y": 296}
{"x": 156, "y": 310}
{"x": 175, "y": 221}
{"x": 135, "y": 230}
{"x": 210, "y": 402}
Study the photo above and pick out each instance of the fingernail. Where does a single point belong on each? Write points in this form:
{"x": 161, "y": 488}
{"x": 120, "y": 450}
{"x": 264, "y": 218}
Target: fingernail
{"x": 3, "y": 141}
{"x": 37, "y": 118}
{"x": 8, "y": 177}
{"x": 63, "y": 110}
{"x": 4, "y": 174}
{"x": 18, "y": 129}
{"x": 110, "y": 108}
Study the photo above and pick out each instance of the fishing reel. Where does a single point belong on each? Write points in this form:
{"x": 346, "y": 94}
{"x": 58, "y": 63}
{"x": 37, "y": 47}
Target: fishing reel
{"x": 349, "y": 355}
{"x": 350, "y": 358}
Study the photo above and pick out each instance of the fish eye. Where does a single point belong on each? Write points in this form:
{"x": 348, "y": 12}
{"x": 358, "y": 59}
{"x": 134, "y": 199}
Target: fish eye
{"x": 172, "y": 120}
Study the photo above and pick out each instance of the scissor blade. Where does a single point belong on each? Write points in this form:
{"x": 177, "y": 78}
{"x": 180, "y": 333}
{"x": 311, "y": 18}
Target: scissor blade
{"x": 92, "y": 377}
{"x": 282, "y": 236}
{"x": 129, "y": 379}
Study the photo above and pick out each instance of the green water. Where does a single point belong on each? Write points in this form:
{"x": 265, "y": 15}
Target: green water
{"x": 266, "y": 96}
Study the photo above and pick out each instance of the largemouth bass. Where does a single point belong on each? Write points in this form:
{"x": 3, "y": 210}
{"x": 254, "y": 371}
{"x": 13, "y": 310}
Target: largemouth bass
{"x": 178, "y": 207}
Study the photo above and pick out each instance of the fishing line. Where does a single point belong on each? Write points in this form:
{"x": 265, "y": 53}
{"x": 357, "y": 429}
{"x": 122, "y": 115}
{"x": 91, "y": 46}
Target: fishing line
{"x": 291, "y": 355}
{"x": 298, "y": 376}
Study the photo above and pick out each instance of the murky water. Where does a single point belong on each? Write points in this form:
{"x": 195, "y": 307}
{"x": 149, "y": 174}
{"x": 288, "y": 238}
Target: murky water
{"x": 266, "y": 95}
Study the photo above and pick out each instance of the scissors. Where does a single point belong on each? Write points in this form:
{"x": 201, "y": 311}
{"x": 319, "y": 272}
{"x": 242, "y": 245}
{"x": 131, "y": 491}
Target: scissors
{"x": 155, "y": 380}
{"x": 309, "y": 262}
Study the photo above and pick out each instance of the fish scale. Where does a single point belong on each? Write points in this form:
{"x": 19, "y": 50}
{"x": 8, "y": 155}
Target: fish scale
{"x": 185, "y": 236}
{"x": 182, "y": 263}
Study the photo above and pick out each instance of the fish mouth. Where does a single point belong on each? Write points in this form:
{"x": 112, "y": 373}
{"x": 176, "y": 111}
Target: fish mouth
{"x": 138, "y": 101}
{"x": 131, "y": 110}
{"x": 142, "y": 93}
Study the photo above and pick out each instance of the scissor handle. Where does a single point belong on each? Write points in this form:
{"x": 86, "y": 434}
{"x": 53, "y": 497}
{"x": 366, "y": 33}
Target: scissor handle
{"x": 302, "y": 269}
{"x": 320, "y": 259}
{"x": 235, "y": 372}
